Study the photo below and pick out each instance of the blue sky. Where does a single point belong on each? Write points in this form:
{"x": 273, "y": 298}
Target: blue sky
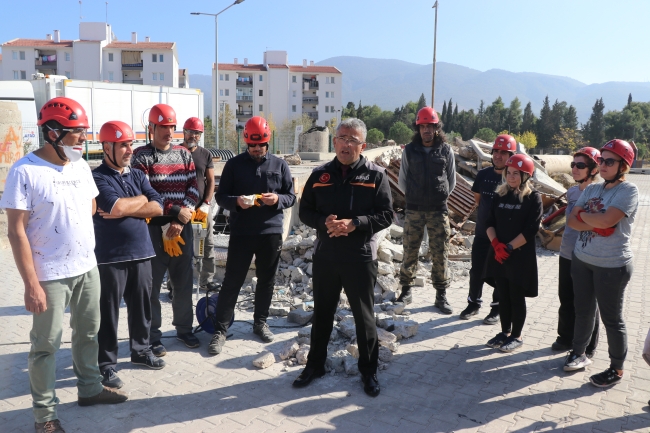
{"x": 592, "y": 41}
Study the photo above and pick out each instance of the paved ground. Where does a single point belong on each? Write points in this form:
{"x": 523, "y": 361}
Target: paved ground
{"x": 443, "y": 379}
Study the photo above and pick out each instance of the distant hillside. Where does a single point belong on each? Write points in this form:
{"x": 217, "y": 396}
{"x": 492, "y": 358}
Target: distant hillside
{"x": 391, "y": 83}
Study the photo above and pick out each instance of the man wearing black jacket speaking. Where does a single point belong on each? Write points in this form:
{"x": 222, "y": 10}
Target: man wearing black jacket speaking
{"x": 348, "y": 201}
{"x": 255, "y": 187}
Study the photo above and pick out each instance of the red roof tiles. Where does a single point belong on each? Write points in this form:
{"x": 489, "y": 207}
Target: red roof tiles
{"x": 37, "y": 43}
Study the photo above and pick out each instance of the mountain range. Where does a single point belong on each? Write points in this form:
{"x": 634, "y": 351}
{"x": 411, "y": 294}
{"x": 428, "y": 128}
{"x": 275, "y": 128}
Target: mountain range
{"x": 392, "y": 83}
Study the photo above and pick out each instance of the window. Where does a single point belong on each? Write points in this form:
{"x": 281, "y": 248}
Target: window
{"x": 331, "y": 94}
{"x": 293, "y": 79}
{"x": 220, "y": 92}
{"x": 261, "y": 79}
{"x": 161, "y": 58}
{"x": 22, "y": 55}
{"x": 227, "y": 77}
{"x": 110, "y": 57}
{"x": 293, "y": 108}
{"x": 327, "y": 80}
{"x": 67, "y": 74}
{"x": 261, "y": 92}
{"x": 332, "y": 80}
{"x": 14, "y": 55}
{"x": 154, "y": 58}
{"x": 220, "y": 77}
{"x": 294, "y": 93}
{"x": 23, "y": 75}
{"x": 327, "y": 94}
{"x": 67, "y": 57}
{"x": 110, "y": 76}
{"x": 332, "y": 109}
{"x": 327, "y": 108}
{"x": 261, "y": 106}
{"x": 227, "y": 92}
{"x": 16, "y": 75}
{"x": 155, "y": 76}
{"x": 162, "y": 76}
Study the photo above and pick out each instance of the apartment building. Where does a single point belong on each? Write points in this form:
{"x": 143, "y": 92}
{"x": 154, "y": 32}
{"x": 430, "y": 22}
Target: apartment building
{"x": 278, "y": 88}
{"x": 97, "y": 56}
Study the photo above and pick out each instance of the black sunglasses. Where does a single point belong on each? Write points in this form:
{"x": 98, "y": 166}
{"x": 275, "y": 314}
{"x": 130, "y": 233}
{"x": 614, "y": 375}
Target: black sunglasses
{"x": 580, "y": 165}
{"x": 257, "y": 144}
{"x": 608, "y": 162}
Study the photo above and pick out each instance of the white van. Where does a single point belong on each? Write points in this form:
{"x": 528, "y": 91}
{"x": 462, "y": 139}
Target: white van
{"x": 22, "y": 93}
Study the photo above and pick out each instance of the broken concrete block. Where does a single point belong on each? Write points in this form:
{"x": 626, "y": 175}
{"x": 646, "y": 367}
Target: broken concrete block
{"x": 286, "y": 256}
{"x": 469, "y": 226}
{"x": 396, "y": 308}
{"x": 391, "y": 346}
{"x": 419, "y": 281}
{"x": 469, "y": 240}
{"x": 424, "y": 250}
{"x": 385, "y": 355}
{"x": 387, "y": 282}
{"x": 353, "y": 349}
{"x": 302, "y": 353}
{"x": 351, "y": 365}
{"x": 297, "y": 261}
{"x": 405, "y": 329}
{"x": 221, "y": 241}
{"x": 386, "y": 268}
{"x": 385, "y": 255}
{"x": 289, "y": 350}
{"x": 265, "y": 360}
{"x": 385, "y": 337}
{"x": 384, "y": 320}
{"x": 397, "y": 250}
{"x": 308, "y": 241}
{"x": 396, "y": 231}
{"x": 286, "y": 272}
{"x": 335, "y": 361}
{"x": 291, "y": 242}
{"x": 347, "y": 327}
{"x": 296, "y": 275}
{"x": 389, "y": 295}
{"x": 279, "y": 310}
{"x": 309, "y": 254}
{"x": 304, "y": 332}
{"x": 300, "y": 316}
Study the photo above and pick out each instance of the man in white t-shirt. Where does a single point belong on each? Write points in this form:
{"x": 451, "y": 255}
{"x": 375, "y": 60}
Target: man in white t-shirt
{"x": 50, "y": 199}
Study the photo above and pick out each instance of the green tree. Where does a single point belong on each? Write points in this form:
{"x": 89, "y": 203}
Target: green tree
{"x": 513, "y": 117}
{"x": 454, "y": 120}
{"x": 375, "y": 136}
{"x": 447, "y": 121}
{"x": 400, "y": 133}
{"x": 360, "y": 111}
{"x": 527, "y": 138}
{"x": 486, "y": 134}
{"x": 443, "y": 116}
{"x": 528, "y": 121}
{"x": 227, "y": 131}
{"x": 422, "y": 102}
{"x": 594, "y": 130}
{"x": 545, "y": 129}
{"x": 629, "y": 100}
{"x": 349, "y": 111}
{"x": 495, "y": 115}
{"x": 570, "y": 118}
{"x": 567, "y": 138}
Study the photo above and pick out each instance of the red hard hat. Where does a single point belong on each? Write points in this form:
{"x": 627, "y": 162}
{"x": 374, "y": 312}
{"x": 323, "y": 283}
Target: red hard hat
{"x": 257, "y": 131}
{"x": 622, "y": 148}
{"x": 521, "y": 163}
{"x": 426, "y": 115}
{"x": 590, "y": 152}
{"x": 116, "y": 131}
{"x": 162, "y": 114}
{"x": 505, "y": 142}
{"x": 193, "y": 124}
{"x": 68, "y": 112}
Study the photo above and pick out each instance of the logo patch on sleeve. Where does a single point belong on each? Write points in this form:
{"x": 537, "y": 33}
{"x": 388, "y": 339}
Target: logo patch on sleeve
{"x": 325, "y": 177}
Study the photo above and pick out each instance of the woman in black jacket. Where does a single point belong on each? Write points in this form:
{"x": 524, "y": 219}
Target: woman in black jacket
{"x": 512, "y": 263}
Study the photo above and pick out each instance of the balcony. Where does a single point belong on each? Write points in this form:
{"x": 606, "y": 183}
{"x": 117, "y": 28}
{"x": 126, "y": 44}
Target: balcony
{"x": 244, "y": 83}
{"x": 244, "y": 113}
{"x": 310, "y": 85}
{"x": 310, "y": 99}
{"x": 245, "y": 98}
{"x": 40, "y": 65}
{"x": 131, "y": 66}
{"x": 127, "y": 81}
{"x": 312, "y": 114}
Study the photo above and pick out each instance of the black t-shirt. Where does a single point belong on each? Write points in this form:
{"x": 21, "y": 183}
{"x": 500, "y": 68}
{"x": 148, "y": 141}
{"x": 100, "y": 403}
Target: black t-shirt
{"x": 485, "y": 184}
{"x": 202, "y": 161}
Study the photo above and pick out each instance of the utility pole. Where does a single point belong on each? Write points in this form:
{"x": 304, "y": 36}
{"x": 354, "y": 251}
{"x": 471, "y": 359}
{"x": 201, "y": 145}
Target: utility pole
{"x": 435, "y": 31}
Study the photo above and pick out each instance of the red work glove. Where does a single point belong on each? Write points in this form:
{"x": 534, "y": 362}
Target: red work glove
{"x": 500, "y": 251}
{"x": 604, "y": 232}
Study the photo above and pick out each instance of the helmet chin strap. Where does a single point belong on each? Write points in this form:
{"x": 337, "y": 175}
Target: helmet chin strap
{"x": 56, "y": 143}
{"x": 114, "y": 160}
{"x": 618, "y": 176}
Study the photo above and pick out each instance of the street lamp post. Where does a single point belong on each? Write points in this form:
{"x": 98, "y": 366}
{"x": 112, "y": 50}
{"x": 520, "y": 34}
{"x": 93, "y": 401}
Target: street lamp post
{"x": 215, "y": 97}
{"x": 435, "y": 31}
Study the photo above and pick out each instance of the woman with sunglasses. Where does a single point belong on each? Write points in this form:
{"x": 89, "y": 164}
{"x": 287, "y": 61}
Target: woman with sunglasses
{"x": 512, "y": 263}
{"x": 601, "y": 265}
{"x": 584, "y": 170}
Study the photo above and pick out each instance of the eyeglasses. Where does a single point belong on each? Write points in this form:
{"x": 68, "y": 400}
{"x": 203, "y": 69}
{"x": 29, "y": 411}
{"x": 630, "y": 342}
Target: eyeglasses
{"x": 608, "y": 162}
{"x": 349, "y": 140}
{"x": 75, "y": 130}
{"x": 580, "y": 165}
{"x": 191, "y": 132}
{"x": 258, "y": 144}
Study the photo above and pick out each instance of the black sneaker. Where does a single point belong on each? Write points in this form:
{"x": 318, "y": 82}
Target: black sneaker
{"x": 189, "y": 339}
{"x": 497, "y": 341}
{"x": 493, "y": 317}
{"x": 511, "y": 344}
{"x": 607, "y": 378}
{"x": 111, "y": 379}
{"x": 148, "y": 359}
{"x": 406, "y": 297}
{"x": 262, "y": 330}
{"x": 158, "y": 349}
{"x": 471, "y": 310}
{"x": 216, "y": 344}
{"x": 441, "y": 302}
{"x": 559, "y": 346}
{"x": 591, "y": 354}
{"x": 574, "y": 362}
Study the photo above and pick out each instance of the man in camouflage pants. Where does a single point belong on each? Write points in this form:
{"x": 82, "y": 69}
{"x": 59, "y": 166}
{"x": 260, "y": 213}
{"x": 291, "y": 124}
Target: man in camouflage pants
{"x": 427, "y": 177}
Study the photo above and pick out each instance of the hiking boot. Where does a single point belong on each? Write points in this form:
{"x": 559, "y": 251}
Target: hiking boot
{"x": 511, "y": 344}
{"x": 497, "y": 341}
{"x": 111, "y": 379}
{"x": 148, "y": 359}
{"x": 216, "y": 344}
{"x": 471, "y": 310}
{"x": 574, "y": 362}
{"x": 107, "y": 396}
{"x": 158, "y": 349}
{"x": 262, "y": 330}
{"x": 406, "y": 296}
{"x": 559, "y": 346}
{"x": 53, "y": 426}
{"x": 607, "y": 378}
{"x": 441, "y": 302}
{"x": 189, "y": 340}
{"x": 493, "y": 317}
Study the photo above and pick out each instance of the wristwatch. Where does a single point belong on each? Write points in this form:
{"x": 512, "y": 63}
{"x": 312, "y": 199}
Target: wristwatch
{"x": 356, "y": 222}
{"x": 509, "y": 248}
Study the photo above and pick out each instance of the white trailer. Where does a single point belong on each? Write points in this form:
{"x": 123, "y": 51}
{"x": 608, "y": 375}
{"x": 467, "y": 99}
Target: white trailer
{"x": 129, "y": 103}
{"x": 22, "y": 94}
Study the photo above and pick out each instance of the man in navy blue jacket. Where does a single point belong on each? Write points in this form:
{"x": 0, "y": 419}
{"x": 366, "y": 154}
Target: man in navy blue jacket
{"x": 255, "y": 187}
{"x": 123, "y": 250}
